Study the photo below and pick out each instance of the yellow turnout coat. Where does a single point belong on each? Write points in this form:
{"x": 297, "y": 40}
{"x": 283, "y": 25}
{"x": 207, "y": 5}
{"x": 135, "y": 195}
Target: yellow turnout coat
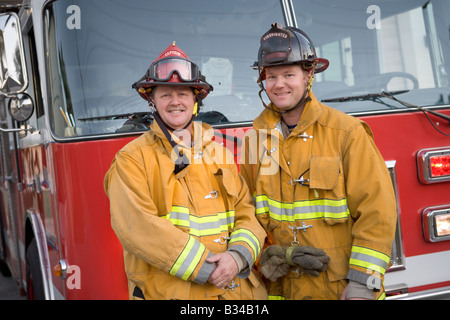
{"x": 329, "y": 181}
{"x": 169, "y": 224}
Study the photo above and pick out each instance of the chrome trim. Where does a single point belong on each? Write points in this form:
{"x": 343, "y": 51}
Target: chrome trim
{"x": 22, "y": 56}
{"x": 396, "y": 291}
{"x": 397, "y": 253}
{"x": 288, "y": 13}
{"x": 433, "y": 294}
{"x": 39, "y": 232}
{"x": 428, "y": 223}
{"x": 423, "y": 164}
{"x": 64, "y": 266}
{"x": 30, "y": 128}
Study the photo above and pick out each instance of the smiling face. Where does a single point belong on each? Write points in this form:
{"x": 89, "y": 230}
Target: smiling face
{"x": 286, "y": 84}
{"x": 175, "y": 104}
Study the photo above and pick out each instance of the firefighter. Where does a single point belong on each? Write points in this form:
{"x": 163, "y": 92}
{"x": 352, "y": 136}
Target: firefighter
{"x": 321, "y": 188}
{"x": 181, "y": 210}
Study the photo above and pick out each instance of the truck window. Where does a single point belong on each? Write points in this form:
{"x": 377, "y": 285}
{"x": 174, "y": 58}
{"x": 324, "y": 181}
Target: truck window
{"x": 375, "y": 46}
{"x": 98, "y": 49}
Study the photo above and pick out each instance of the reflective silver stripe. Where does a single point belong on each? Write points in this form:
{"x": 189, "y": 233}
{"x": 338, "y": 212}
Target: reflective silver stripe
{"x": 247, "y": 237}
{"x": 188, "y": 260}
{"x": 369, "y": 259}
{"x": 204, "y": 225}
{"x": 302, "y": 210}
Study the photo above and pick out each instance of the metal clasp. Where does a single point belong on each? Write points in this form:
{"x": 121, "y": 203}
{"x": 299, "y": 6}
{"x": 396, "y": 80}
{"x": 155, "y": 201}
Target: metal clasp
{"x": 269, "y": 152}
{"x": 295, "y": 231}
{"x": 297, "y": 271}
{"x": 232, "y": 286}
{"x": 221, "y": 240}
{"x": 212, "y": 195}
{"x": 305, "y": 136}
{"x": 301, "y": 180}
{"x": 199, "y": 155}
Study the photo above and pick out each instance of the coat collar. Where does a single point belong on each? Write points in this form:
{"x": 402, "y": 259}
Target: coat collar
{"x": 269, "y": 119}
{"x": 203, "y": 134}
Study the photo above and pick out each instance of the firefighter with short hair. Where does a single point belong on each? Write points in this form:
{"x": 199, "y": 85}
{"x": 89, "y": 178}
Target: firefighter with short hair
{"x": 322, "y": 189}
{"x": 182, "y": 212}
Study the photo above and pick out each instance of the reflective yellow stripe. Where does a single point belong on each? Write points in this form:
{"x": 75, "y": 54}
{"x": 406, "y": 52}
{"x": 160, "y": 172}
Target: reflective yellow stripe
{"x": 188, "y": 260}
{"x": 377, "y": 254}
{"x": 276, "y": 297}
{"x": 176, "y": 214}
{"x": 247, "y": 237}
{"x": 302, "y": 210}
{"x": 201, "y": 226}
{"x": 369, "y": 259}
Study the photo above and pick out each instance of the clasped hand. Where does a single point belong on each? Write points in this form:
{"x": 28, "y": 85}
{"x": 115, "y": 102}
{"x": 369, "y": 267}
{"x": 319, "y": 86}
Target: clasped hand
{"x": 225, "y": 271}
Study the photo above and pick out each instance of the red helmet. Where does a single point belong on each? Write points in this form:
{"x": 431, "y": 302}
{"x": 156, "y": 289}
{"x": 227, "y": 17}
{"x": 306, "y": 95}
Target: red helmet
{"x": 173, "y": 67}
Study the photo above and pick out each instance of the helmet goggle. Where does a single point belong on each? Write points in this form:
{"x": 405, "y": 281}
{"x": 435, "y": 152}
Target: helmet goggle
{"x": 163, "y": 69}
{"x": 275, "y": 47}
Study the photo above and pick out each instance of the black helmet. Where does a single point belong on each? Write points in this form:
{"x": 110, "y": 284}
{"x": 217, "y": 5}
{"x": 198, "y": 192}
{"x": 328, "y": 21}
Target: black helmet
{"x": 287, "y": 45}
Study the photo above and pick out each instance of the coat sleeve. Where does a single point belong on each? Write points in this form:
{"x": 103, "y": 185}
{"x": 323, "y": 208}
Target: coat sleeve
{"x": 135, "y": 220}
{"x": 248, "y": 162}
{"x": 372, "y": 205}
{"x": 248, "y": 236}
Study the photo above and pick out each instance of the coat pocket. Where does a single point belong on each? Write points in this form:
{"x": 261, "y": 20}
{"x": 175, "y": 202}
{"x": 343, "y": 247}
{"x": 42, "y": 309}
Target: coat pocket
{"x": 326, "y": 177}
{"x": 338, "y": 266}
{"x": 158, "y": 285}
{"x": 229, "y": 181}
{"x": 324, "y": 173}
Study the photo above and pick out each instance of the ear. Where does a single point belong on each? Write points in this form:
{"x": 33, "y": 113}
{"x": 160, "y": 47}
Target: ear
{"x": 309, "y": 79}
{"x": 309, "y": 73}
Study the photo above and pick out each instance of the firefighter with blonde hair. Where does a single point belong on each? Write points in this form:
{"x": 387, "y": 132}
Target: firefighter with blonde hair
{"x": 329, "y": 208}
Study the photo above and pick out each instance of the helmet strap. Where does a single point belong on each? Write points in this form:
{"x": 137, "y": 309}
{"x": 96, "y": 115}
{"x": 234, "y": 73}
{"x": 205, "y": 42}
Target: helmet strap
{"x": 182, "y": 161}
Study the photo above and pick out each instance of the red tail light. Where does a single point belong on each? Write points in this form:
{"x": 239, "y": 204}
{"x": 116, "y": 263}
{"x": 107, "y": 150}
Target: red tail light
{"x": 440, "y": 166}
{"x": 433, "y": 165}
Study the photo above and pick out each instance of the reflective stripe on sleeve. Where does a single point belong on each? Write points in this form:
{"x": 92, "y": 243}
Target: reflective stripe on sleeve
{"x": 188, "y": 259}
{"x": 246, "y": 236}
{"x": 369, "y": 259}
{"x": 201, "y": 225}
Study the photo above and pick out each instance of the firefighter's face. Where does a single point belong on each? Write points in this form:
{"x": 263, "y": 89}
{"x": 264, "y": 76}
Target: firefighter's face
{"x": 175, "y": 105}
{"x": 286, "y": 84}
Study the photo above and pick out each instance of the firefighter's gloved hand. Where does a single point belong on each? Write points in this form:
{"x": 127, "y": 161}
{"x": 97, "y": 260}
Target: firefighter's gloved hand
{"x": 273, "y": 262}
{"x": 311, "y": 260}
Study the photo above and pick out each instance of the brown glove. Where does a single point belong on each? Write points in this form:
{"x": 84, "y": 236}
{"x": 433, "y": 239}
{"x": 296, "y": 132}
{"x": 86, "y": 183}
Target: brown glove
{"x": 273, "y": 262}
{"x": 311, "y": 260}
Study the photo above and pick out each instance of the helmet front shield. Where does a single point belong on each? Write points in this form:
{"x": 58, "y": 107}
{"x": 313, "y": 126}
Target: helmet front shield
{"x": 275, "y": 48}
{"x": 164, "y": 69}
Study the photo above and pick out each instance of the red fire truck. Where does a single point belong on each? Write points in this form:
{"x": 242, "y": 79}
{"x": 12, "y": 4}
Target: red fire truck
{"x": 67, "y": 106}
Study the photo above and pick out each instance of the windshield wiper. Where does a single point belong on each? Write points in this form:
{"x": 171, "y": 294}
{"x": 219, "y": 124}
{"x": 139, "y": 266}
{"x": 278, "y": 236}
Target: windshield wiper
{"x": 375, "y": 97}
{"x": 132, "y": 115}
{"x": 120, "y": 116}
{"x": 406, "y": 104}
{"x": 390, "y": 95}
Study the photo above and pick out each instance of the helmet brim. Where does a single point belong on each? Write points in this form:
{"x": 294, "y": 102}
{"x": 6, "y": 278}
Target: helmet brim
{"x": 321, "y": 65}
{"x": 150, "y": 84}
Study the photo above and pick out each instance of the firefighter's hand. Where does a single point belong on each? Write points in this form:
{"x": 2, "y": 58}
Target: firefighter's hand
{"x": 273, "y": 262}
{"x": 225, "y": 271}
{"x": 356, "y": 291}
{"x": 311, "y": 260}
